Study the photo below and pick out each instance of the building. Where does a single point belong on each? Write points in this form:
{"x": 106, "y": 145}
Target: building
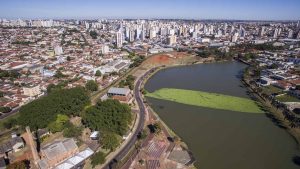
{"x": 131, "y": 36}
{"x": 171, "y": 40}
{"x": 95, "y": 135}
{"x": 32, "y": 91}
{"x": 235, "y": 37}
{"x": 121, "y": 94}
{"x": 2, "y": 163}
{"x": 262, "y": 31}
{"x": 152, "y": 34}
{"x": 55, "y": 153}
{"x": 104, "y": 49}
{"x": 119, "y": 39}
{"x": 15, "y": 144}
{"x": 58, "y": 50}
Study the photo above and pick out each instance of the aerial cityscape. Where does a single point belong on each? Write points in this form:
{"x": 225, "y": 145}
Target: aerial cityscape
{"x": 160, "y": 84}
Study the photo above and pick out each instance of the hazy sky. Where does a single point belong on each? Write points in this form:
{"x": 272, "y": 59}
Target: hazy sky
{"x": 187, "y": 9}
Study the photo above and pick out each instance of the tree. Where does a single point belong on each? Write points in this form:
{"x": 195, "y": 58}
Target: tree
{"x": 93, "y": 34}
{"x": 68, "y": 58}
{"x": 98, "y": 73}
{"x": 109, "y": 140}
{"x": 91, "y": 85}
{"x": 1, "y": 94}
{"x": 40, "y": 112}
{"x": 5, "y": 109}
{"x": 10, "y": 123}
{"x": 109, "y": 115}
{"x": 59, "y": 124}
{"x": 18, "y": 165}
{"x": 97, "y": 158}
{"x": 59, "y": 74}
{"x": 72, "y": 131}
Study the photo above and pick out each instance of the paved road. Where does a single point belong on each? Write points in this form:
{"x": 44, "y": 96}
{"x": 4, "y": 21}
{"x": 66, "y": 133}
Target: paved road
{"x": 14, "y": 111}
{"x": 130, "y": 143}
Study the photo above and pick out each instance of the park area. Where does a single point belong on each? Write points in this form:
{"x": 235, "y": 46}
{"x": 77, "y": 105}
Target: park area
{"x": 205, "y": 99}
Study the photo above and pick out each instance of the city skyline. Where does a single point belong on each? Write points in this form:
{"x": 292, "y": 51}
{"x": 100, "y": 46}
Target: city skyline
{"x": 167, "y": 9}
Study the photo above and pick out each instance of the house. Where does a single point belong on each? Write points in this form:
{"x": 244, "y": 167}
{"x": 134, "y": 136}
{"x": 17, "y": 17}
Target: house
{"x": 32, "y": 91}
{"x": 15, "y": 144}
{"x": 122, "y": 94}
{"x": 2, "y": 163}
{"x": 265, "y": 81}
{"x": 295, "y": 93}
{"x": 282, "y": 84}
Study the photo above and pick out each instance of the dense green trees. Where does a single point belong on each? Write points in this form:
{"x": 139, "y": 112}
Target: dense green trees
{"x": 9, "y": 74}
{"x": 59, "y": 124}
{"x": 129, "y": 81}
{"x": 5, "y": 109}
{"x": 91, "y": 85}
{"x": 72, "y": 130}
{"x": 39, "y": 113}
{"x": 137, "y": 61}
{"x": 98, "y": 73}
{"x": 93, "y": 34}
{"x": 109, "y": 115}
{"x": 109, "y": 140}
{"x": 97, "y": 158}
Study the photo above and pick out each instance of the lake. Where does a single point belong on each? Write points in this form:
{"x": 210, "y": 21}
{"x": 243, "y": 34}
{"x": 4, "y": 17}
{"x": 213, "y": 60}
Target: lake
{"x": 221, "y": 139}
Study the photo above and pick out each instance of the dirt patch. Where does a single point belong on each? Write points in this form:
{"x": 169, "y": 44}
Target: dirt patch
{"x": 159, "y": 59}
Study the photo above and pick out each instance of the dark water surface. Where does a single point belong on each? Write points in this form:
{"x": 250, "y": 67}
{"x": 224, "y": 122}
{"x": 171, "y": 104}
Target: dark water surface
{"x": 222, "y": 139}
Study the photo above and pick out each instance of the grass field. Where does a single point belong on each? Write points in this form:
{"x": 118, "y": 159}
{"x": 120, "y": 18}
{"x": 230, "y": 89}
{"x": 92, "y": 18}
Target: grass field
{"x": 205, "y": 99}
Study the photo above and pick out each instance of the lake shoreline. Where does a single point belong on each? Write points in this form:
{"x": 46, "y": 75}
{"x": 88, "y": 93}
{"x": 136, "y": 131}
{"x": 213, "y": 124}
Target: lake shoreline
{"x": 290, "y": 132}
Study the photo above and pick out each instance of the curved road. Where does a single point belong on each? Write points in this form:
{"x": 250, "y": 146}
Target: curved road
{"x": 138, "y": 97}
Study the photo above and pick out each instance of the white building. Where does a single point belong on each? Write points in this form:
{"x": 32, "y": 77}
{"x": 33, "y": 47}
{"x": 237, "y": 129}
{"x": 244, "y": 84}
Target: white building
{"x": 32, "y": 91}
{"x": 58, "y": 50}
{"x": 171, "y": 40}
{"x": 119, "y": 39}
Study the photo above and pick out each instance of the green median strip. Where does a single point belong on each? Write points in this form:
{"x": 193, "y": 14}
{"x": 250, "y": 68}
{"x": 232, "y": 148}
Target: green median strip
{"x": 206, "y": 99}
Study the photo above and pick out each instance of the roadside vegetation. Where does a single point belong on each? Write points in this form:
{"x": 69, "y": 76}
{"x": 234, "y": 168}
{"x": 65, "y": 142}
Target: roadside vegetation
{"x": 205, "y": 99}
{"x": 111, "y": 118}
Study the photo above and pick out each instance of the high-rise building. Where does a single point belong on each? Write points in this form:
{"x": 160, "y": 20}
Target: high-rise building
{"x": 262, "y": 31}
{"x": 119, "y": 39}
{"x": 171, "y": 40}
{"x": 152, "y": 34}
{"x": 290, "y": 35}
{"x": 275, "y": 33}
{"x": 131, "y": 35}
{"x": 234, "y": 38}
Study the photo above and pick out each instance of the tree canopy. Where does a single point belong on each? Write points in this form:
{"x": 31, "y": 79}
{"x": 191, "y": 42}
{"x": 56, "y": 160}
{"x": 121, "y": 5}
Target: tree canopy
{"x": 39, "y": 113}
{"x": 109, "y": 115}
{"x": 109, "y": 140}
{"x": 98, "y": 158}
{"x": 91, "y": 85}
{"x": 98, "y": 73}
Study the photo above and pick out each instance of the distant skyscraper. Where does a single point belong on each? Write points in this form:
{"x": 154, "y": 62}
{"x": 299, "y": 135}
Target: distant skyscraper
{"x": 152, "y": 34}
{"x": 119, "y": 39}
{"x": 171, "y": 40}
{"x": 290, "y": 35}
{"x": 275, "y": 33}
{"x": 298, "y": 36}
{"x": 298, "y": 24}
{"x": 131, "y": 35}
{"x": 262, "y": 31}
{"x": 235, "y": 37}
